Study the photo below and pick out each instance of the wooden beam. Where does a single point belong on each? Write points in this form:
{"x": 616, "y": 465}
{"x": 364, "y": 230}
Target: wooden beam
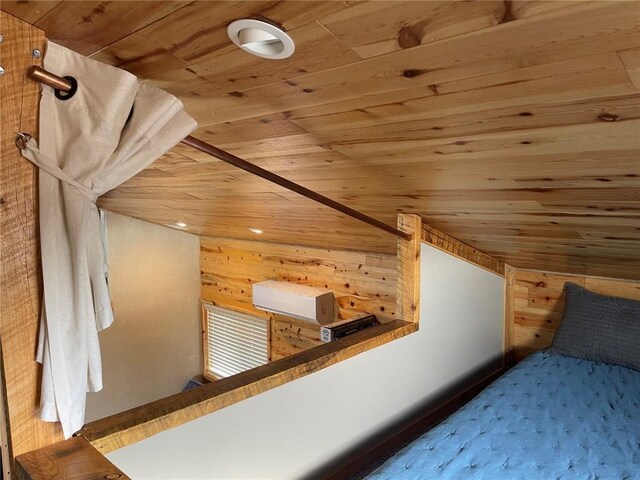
{"x": 447, "y": 243}
{"x": 408, "y": 286}
{"x": 20, "y": 272}
{"x": 128, "y": 427}
{"x": 509, "y": 312}
{"x": 72, "y": 459}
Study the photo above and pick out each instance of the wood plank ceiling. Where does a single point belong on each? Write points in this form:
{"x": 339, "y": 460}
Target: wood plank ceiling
{"x": 513, "y": 126}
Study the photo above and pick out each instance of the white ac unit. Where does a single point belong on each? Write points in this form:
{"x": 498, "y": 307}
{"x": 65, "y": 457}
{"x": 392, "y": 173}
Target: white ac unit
{"x": 298, "y": 301}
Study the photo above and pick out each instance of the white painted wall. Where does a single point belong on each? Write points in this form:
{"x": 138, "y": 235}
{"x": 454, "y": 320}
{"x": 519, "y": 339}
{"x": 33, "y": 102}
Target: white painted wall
{"x": 295, "y": 429}
{"x": 155, "y": 343}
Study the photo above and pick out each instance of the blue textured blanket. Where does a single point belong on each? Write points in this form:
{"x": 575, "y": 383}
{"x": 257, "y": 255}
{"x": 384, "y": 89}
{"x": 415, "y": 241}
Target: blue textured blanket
{"x": 550, "y": 417}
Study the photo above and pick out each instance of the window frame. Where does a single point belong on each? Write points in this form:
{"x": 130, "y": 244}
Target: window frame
{"x": 209, "y": 374}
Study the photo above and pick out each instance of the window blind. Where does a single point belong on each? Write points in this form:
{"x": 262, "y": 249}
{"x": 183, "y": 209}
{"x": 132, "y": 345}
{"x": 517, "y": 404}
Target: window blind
{"x": 236, "y": 341}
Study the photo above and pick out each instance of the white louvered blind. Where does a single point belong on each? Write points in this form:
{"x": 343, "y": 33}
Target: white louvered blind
{"x": 236, "y": 342}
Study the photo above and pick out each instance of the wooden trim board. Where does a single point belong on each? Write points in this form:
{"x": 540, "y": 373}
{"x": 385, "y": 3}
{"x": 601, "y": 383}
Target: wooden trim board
{"x": 509, "y": 306}
{"x": 452, "y": 246}
{"x": 408, "y": 278}
{"x": 72, "y": 459}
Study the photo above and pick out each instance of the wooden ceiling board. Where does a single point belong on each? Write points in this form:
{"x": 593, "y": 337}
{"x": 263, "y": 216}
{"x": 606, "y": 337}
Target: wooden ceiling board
{"x": 86, "y": 27}
{"x": 513, "y": 126}
{"x": 375, "y": 28}
{"x": 30, "y": 11}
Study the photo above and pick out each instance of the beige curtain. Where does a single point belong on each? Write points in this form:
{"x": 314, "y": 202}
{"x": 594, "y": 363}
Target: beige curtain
{"x": 109, "y": 130}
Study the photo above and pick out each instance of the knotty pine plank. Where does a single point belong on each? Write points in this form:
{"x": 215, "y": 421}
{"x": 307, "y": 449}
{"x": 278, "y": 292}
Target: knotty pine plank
{"x": 592, "y": 28}
{"x": 408, "y": 24}
{"x": 88, "y": 26}
{"x": 230, "y": 267}
{"x": 551, "y": 84}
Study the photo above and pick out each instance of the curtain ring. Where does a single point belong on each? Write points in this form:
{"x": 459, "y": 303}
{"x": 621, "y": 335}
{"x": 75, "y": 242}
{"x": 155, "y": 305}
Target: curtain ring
{"x": 22, "y": 139}
{"x": 61, "y": 94}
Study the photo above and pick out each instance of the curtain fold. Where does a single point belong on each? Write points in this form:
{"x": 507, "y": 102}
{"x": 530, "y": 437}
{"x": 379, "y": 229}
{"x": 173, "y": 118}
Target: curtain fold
{"x": 108, "y": 131}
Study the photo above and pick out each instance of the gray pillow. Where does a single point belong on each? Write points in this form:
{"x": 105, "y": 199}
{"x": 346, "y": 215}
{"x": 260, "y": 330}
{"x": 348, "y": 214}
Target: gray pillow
{"x": 599, "y": 328}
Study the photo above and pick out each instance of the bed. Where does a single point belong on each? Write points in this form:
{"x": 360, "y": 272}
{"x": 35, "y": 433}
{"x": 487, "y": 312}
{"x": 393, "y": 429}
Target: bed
{"x": 552, "y": 416}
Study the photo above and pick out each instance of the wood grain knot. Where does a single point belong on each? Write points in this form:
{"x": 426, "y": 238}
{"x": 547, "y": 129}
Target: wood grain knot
{"x": 409, "y": 37}
{"x": 608, "y": 117}
{"x": 412, "y": 72}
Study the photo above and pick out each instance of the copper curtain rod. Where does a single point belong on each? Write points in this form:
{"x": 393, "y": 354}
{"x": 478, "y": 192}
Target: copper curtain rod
{"x": 41, "y": 75}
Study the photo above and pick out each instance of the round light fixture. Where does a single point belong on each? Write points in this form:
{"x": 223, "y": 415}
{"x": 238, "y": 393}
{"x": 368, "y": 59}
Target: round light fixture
{"x": 261, "y": 38}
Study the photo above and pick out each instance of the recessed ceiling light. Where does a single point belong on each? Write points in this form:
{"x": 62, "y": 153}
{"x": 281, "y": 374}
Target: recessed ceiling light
{"x": 261, "y": 38}
{"x": 257, "y": 231}
{"x": 178, "y": 225}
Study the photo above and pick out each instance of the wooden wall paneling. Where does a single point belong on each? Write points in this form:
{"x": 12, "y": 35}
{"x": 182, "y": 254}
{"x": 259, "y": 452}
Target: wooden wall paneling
{"x": 539, "y": 302}
{"x": 6, "y": 461}
{"x": 20, "y": 271}
{"x": 408, "y": 278}
{"x": 361, "y": 283}
{"x": 290, "y": 336}
{"x": 72, "y": 459}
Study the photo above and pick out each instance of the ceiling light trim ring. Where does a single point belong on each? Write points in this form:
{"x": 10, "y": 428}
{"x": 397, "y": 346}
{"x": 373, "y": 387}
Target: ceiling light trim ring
{"x": 261, "y": 38}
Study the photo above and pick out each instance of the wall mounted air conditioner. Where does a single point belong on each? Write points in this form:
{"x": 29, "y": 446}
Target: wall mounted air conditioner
{"x": 298, "y": 301}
